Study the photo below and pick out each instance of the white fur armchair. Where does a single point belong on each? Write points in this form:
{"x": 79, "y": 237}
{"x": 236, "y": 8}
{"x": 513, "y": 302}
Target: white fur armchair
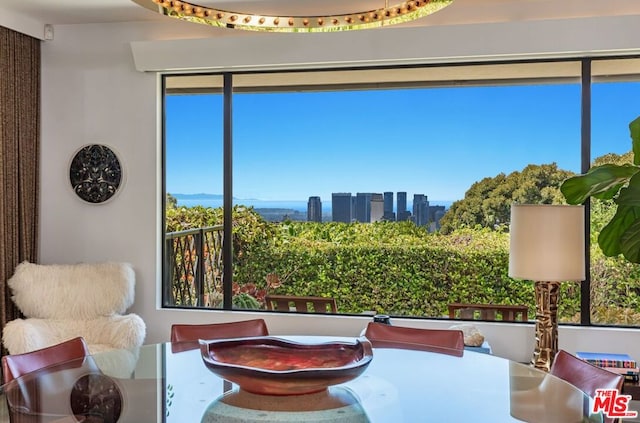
{"x": 61, "y": 302}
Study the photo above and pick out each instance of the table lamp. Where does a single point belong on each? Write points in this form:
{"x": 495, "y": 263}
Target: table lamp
{"x": 546, "y": 246}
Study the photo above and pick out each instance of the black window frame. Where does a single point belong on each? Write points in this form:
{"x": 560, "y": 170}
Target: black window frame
{"x": 228, "y": 91}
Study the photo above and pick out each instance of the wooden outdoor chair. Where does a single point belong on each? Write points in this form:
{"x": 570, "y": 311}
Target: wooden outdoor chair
{"x": 503, "y": 312}
{"x": 301, "y": 304}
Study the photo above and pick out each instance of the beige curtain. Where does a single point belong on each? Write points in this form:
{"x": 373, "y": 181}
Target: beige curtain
{"x": 19, "y": 157}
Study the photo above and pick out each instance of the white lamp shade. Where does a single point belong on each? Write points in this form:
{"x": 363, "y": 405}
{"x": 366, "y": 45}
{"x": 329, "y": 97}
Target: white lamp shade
{"x": 547, "y": 242}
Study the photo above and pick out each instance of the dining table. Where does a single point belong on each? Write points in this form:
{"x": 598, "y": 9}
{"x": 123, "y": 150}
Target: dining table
{"x": 171, "y": 383}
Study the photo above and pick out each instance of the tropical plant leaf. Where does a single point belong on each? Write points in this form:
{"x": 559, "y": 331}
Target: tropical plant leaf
{"x": 602, "y": 182}
{"x": 630, "y": 195}
{"x": 634, "y": 128}
{"x": 630, "y": 242}
{"x": 609, "y": 238}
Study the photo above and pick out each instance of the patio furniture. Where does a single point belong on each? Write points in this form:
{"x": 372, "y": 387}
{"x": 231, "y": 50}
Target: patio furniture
{"x": 503, "y": 312}
{"x": 301, "y": 304}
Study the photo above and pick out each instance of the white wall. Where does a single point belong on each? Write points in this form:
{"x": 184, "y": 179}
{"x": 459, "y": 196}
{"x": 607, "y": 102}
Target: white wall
{"x": 92, "y": 93}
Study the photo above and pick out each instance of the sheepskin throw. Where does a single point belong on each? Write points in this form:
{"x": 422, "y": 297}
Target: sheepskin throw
{"x": 78, "y": 291}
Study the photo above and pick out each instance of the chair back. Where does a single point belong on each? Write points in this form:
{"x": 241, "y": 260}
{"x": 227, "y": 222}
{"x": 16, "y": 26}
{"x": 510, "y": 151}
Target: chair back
{"x": 444, "y": 341}
{"x": 241, "y": 329}
{"x": 503, "y": 312}
{"x": 14, "y": 366}
{"x": 303, "y": 304}
{"x": 61, "y": 302}
{"x": 584, "y": 376}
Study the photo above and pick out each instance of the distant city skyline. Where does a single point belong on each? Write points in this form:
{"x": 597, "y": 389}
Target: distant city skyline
{"x": 437, "y": 141}
{"x": 216, "y": 200}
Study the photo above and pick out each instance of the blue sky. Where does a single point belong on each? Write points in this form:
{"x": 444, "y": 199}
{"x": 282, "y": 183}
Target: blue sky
{"x": 423, "y": 141}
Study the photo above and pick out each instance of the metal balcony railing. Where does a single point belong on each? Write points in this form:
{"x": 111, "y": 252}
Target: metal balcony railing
{"x": 193, "y": 263}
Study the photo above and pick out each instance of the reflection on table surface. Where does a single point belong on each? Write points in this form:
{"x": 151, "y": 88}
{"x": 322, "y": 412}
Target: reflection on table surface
{"x": 171, "y": 384}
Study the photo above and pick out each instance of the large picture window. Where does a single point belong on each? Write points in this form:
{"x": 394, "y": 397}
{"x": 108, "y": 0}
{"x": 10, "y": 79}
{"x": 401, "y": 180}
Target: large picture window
{"x": 387, "y": 190}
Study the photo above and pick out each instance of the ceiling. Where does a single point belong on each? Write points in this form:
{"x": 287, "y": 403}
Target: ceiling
{"x": 61, "y": 12}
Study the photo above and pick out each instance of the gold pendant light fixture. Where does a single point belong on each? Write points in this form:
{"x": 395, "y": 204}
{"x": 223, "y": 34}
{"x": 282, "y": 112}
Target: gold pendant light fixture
{"x": 405, "y": 11}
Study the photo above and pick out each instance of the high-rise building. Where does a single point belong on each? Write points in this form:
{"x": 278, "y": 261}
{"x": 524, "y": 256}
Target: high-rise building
{"x": 353, "y": 208}
{"x": 435, "y": 214}
{"x": 420, "y": 209}
{"x": 363, "y": 207}
{"x": 377, "y": 208}
{"x": 388, "y": 213}
{"x": 314, "y": 209}
{"x": 401, "y": 212}
{"x": 341, "y": 207}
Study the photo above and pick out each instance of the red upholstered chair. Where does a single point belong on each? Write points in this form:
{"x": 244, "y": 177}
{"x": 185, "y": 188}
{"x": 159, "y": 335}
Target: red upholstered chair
{"x": 584, "y": 376}
{"x": 444, "y": 341}
{"x": 38, "y": 383}
{"x": 14, "y": 366}
{"x": 244, "y": 328}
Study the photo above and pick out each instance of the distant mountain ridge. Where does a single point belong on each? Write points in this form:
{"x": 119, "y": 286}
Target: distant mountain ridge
{"x": 205, "y": 196}
{"x": 199, "y": 196}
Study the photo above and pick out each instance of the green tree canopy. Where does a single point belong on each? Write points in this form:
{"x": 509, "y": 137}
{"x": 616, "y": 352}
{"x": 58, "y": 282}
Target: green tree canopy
{"x": 488, "y": 202}
{"x": 613, "y": 158}
{"x": 172, "y": 202}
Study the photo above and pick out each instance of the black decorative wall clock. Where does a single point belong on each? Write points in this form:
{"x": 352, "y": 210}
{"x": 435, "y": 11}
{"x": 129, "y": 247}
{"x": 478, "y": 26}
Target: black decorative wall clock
{"x": 95, "y": 173}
